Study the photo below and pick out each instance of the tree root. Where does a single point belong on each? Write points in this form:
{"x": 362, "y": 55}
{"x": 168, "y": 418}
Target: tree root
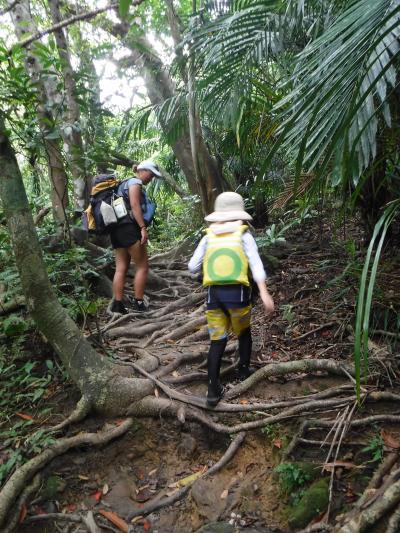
{"x": 198, "y": 376}
{"x": 150, "y": 406}
{"x": 80, "y": 412}
{"x": 87, "y": 520}
{"x": 291, "y": 367}
{"x": 22, "y": 475}
{"x": 364, "y": 520}
{"x": 186, "y": 301}
{"x": 394, "y": 522}
{"x": 25, "y": 495}
{"x": 155, "y": 506}
{"x": 137, "y": 329}
{"x": 181, "y": 331}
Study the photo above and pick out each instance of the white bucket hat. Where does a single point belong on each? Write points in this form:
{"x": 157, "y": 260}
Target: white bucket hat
{"x": 228, "y": 206}
{"x": 150, "y": 165}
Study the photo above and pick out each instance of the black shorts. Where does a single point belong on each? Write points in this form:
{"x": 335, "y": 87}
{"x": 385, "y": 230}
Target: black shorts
{"x": 228, "y": 296}
{"x": 125, "y": 235}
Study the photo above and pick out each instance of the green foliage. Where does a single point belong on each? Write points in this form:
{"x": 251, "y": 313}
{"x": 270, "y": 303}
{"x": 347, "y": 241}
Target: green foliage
{"x": 375, "y": 448}
{"x": 367, "y": 284}
{"x": 15, "y": 325}
{"x": 292, "y": 478}
{"x": 69, "y": 273}
{"x": 272, "y": 236}
{"x": 271, "y": 431}
{"x": 24, "y": 387}
{"x": 287, "y": 314}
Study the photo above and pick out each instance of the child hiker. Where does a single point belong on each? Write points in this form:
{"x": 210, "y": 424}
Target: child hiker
{"x": 225, "y": 253}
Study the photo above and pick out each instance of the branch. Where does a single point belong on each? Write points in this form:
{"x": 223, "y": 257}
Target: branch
{"x": 40, "y": 216}
{"x": 68, "y": 22}
{"x": 9, "y": 8}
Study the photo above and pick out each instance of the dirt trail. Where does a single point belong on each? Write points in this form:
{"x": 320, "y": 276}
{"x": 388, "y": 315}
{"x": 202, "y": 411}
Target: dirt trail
{"x": 170, "y": 341}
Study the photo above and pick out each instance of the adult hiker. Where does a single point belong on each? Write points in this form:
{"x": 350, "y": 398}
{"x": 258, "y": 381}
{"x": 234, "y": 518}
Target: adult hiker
{"x": 129, "y": 239}
{"x": 225, "y": 253}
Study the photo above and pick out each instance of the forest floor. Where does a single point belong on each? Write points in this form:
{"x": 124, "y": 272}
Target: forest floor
{"x": 313, "y": 320}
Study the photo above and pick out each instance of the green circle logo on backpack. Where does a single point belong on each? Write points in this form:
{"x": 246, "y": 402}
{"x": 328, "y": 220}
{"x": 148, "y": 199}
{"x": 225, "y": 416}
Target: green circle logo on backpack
{"x": 224, "y": 265}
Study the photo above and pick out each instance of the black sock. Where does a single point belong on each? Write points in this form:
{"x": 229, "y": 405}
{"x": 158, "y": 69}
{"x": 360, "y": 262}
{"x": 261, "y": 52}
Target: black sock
{"x": 245, "y": 344}
{"x": 215, "y": 354}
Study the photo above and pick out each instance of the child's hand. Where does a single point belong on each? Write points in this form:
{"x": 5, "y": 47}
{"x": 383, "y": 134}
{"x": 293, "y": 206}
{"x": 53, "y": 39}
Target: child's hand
{"x": 268, "y": 303}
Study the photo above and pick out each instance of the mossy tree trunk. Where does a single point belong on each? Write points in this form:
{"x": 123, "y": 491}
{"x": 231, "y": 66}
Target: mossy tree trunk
{"x": 47, "y": 96}
{"x": 73, "y": 139}
{"x": 197, "y": 163}
{"x": 100, "y": 381}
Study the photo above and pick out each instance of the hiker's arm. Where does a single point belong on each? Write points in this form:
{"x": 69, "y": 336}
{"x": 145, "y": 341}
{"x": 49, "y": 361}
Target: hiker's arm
{"x": 257, "y": 271}
{"x": 266, "y": 298}
{"x": 196, "y": 261}
{"x": 134, "y": 200}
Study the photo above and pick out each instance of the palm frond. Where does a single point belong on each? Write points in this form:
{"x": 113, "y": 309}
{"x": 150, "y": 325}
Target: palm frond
{"x": 171, "y": 115}
{"x": 341, "y": 90}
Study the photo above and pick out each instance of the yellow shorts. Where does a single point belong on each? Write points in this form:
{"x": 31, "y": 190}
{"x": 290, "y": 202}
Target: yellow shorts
{"x": 220, "y": 324}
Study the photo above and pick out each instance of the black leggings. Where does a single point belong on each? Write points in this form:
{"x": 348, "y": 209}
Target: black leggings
{"x": 216, "y": 352}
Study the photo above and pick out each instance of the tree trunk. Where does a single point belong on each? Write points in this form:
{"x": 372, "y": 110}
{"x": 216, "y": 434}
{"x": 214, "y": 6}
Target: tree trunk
{"x": 208, "y": 173}
{"x": 96, "y": 376}
{"x": 46, "y": 95}
{"x": 160, "y": 87}
{"x": 73, "y": 139}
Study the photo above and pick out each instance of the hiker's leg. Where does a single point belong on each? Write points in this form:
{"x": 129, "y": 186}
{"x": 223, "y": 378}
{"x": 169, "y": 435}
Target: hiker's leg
{"x": 245, "y": 344}
{"x": 218, "y": 327}
{"x": 240, "y": 319}
{"x": 138, "y": 253}
{"x": 122, "y": 260}
{"x": 215, "y": 354}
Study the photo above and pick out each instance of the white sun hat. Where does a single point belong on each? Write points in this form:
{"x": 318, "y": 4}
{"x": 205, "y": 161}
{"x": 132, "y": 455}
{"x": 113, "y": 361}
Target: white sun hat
{"x": 150, "y": 165}
{"x": 228, "y": 206}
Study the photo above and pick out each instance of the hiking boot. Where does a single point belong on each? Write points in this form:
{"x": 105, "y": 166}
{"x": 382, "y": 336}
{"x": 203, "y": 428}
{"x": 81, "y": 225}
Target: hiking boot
{"x": 245, "y": 372}
{"x": 118, "y": 308}
{"x": 139, "y": 305}
{"x": 214, "y": 394}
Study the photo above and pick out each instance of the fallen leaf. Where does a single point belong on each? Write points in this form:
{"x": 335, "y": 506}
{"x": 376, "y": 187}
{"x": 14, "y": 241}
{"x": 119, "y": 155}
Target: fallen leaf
{"x": 96, "y": 496}
{"x": 389, "y": 440}
{"x": 105, "y": 489}
{"x": 156, "y": 393}
{"x": 152, "y": 472}
{"x": 277, "y": 443}
{"x": 24, "y": 416}
{"x": 224, "y": 494}
{"x": 83, "y": 478}
{"x": 143, "y": 494}
{"x": 115, "y": 519}
{"x": 190, "y": 479}
{"x": 136, "y": 519}
{"x": 146, "y": 525}
{"x": 244, "y": 402}
{"x": 71, "y": 508}
{"x": 23, "y": 513}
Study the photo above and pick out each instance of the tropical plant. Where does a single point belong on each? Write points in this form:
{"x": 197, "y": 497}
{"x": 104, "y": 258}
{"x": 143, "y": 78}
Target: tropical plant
{"x": 338, "y": 104}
